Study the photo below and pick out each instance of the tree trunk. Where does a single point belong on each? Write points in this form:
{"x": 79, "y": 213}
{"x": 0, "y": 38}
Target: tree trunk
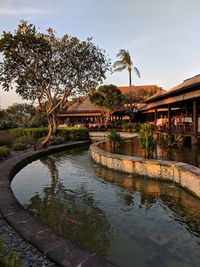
{"x": 108, "y": 116}
{"x": 130, "y": 82}
{"x": 52, "y": 126}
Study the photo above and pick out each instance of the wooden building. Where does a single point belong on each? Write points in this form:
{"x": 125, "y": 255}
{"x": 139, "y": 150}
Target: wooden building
{"x": 82, "y": 111}
{"x": 178, "y": 109}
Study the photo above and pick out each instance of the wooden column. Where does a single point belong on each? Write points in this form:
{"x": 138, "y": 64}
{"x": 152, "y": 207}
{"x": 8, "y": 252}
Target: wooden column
{"x": 169, "y": 118}
{"x": 195, "y": 116}
{"x": 155, "y": 116}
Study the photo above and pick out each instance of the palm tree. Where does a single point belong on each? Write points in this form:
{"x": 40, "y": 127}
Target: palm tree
{"x": 125, "y": 62}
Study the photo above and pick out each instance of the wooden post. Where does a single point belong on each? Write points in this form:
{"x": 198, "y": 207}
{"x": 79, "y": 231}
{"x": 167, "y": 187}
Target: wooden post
{"x": 169, "y": 118}
{"x": 195, "y": 117}
{"x": 155, "y": 116}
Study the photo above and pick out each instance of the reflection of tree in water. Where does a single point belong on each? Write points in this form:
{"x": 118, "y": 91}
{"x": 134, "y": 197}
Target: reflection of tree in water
{"x": 185, "y": 208}
{"x": 72, "y": 213}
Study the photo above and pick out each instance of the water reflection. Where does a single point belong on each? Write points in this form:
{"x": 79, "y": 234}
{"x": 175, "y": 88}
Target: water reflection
{"x": 185, "y": 208}
{"x": 188, "y": 153}
{"x": 132, "y": 220}
{"x": 72, "y": 213}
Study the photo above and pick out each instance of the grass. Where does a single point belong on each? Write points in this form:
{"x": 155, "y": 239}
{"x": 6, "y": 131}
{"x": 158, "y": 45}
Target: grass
{"x": 9, "y": 258}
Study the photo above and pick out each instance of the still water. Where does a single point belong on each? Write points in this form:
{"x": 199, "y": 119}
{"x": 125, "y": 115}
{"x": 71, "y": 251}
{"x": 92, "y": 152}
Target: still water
{"x": 130, "y": 220}
{"x": 186, "y": 153}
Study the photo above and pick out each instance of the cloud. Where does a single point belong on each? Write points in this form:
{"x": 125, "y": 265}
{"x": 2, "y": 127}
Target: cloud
{"x": 21, "y": 11}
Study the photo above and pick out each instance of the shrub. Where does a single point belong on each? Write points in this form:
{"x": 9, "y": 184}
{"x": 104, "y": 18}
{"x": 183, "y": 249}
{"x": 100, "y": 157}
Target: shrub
{"x": 147, "y": 141}
{"x": 114, "y": 136}
{"x": 34, "y": 132}
{"x": 8, "y": 258}
{"x": 28, "y": 140}
{"x": 128, "y": 126}
{"x": 19, "y": 147}
{"x": 58, "y": 140}
{"x": 73, "y": 133}
{"x": 7, "y": 137}
{"x": 4, "y": 152}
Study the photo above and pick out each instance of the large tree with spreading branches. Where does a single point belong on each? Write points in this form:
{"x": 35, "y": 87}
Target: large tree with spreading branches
{"x": 109, "y": 99}
{"x": 47, "y": 69}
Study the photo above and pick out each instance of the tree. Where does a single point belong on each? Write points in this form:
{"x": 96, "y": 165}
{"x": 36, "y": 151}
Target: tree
{"x": 108, "y": 98}
{"x": 125, "y": 62}
{"x": 17, "y": 115}
{"x": 47, "y": 69}
{"x": 20, "y": 114}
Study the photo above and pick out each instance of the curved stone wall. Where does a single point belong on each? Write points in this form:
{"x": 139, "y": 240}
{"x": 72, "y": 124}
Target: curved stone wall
{"x": 59, "y": 249}
{"x": 183, "y": 174}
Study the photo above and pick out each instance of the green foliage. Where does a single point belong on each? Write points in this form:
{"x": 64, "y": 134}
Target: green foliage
{"x": 58, "y": 140}
{"x": 19, "y": 147}
{"x": 4, "y": 152}
{"x": 128, "y": 126}
{"x": 73, "y": 133}
{"x": 125, "y": 62}
{"x": 9, "y": 258}
{"x": 147, "y": 141}
{"x": 34, "y": 132}
{"x": 7, "y": 137}
{"x": 37, "y": 121}
{"x": 113, "y": 136}
{"x": 17, "y": 115}
{"x": 109, "y": 98}
{"x": 49, "y": 69}
{"x": 28, "y": 140}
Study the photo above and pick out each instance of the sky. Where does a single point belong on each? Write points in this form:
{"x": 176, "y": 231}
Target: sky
{"x": 162, "y": 36}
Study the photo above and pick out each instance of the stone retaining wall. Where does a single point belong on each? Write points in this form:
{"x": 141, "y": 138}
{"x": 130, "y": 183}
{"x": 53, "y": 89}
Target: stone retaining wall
{"x": 183, "y": 174}
{"x": 59, "y": 249}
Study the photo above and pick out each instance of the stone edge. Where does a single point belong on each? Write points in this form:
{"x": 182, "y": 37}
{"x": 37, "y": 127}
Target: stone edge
{"x": 185, "y": 175}
{"x": 59, "y": 249}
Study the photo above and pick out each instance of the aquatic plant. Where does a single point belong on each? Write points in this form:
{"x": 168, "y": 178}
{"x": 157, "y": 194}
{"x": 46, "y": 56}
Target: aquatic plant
{"x": 147, "y": 141}
{"x": 113, "y": 136}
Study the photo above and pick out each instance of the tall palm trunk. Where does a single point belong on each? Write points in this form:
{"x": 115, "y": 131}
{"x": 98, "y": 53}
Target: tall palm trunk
{"x": 130, "y": 82}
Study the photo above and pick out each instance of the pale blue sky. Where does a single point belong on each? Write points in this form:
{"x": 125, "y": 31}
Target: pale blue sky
{"x": 162, "y": 36}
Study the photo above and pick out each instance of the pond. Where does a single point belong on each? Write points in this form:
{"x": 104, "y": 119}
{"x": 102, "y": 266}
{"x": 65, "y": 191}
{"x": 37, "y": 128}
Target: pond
{"x": 186, "y": 153}
{"x": 130, "y": 220}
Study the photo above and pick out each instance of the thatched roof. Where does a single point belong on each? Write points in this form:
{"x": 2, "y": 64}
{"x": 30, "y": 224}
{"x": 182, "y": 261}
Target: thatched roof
{"x": 137, "y": 92}
{"x": 82, "y": 103}
{"x": 185, "y": 85}
{"x": 141, "y": 92}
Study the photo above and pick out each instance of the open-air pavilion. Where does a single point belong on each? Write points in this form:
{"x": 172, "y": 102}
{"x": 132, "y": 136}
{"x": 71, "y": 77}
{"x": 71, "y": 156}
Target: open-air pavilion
{"x": 176, "y": 111}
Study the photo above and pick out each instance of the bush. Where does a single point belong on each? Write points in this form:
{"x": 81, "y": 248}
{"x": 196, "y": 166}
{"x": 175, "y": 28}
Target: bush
{"x": 19, "y": 147}
{"x": 128, "y": 126}
{"x": 28, "y": 140}
{"x": 147, "y": 141}
{"x": 58, "y": 140}
{"x": 34, "y": 132}
{"x": 73, "y": 133}
{"x": 7, "y": 137}
{"x": 8, "y": 258}
{"x": 114, "y": 136}
{"x": 4, "y": 152}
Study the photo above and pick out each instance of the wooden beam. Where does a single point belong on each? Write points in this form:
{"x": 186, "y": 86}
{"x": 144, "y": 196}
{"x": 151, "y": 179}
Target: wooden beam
{"x": 169, "y": 117}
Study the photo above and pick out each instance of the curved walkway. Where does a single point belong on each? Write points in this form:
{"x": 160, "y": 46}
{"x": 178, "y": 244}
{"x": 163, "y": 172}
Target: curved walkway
{"x": 183, "y": 174}
{"x": 59, "y": 249}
